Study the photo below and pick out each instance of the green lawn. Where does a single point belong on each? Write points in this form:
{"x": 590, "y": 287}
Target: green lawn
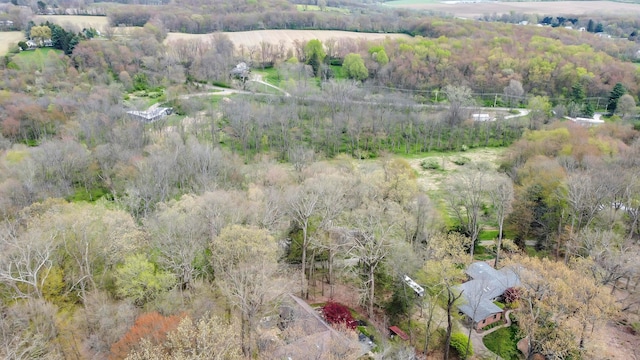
{"x": 488, "y": 235}
{"x": 34, "y": 59}
{"x": 338, "y": 72}
{"x": 270, "y": 75}
{"x": 503, "y": 342}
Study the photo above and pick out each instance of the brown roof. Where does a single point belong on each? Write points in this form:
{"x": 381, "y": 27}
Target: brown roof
{"x": 396, "y": 330}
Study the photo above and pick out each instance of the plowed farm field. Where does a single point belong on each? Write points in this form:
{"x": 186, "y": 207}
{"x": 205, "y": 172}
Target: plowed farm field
{"x": 254, "y": 38}
{"x": 8, "y": 38}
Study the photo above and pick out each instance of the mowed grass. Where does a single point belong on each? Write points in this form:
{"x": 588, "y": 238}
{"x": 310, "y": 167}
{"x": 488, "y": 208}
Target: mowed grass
{"x": 34, "y": 59}
{"x": 503, "y": 342}
{"x": 8, "y": 39}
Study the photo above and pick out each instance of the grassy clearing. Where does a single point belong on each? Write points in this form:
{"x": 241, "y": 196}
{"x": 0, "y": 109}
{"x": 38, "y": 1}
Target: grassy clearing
{"x": 317, "y": 8}
{"x": 503, "y": 342}
{"x": 488, "y": 235}
{"x": 338, "y": 72}
{"x": 432, "y": 179}
{"x": 270, "y": 75}
{"x": 9, "y": 39}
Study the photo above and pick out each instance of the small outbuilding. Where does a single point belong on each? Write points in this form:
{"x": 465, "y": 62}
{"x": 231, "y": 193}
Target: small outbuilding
{"x": 150, "y": 115}
{"x": 396, "y": 331}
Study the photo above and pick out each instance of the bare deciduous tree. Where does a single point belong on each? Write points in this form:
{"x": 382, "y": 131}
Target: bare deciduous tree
{"x": 466, "y": 194}
{"x": 513, "y": 91}
{"x": 180, "y": 234}
{"x": 371, "y": 245}
{"x": 501, "y": 194}
{"x": 302, "y": 205}
{"x": 459, "y": 99}
{"x": 25, "y": 261}
{"x": 245, "y": 262}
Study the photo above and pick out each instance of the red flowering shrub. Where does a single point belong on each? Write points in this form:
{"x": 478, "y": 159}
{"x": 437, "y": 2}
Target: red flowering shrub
{"x": 335, "y": 313}
{"x": 511, "y": 295}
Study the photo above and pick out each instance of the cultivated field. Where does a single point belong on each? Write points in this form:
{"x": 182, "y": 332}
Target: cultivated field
{"x": 77, "y": 22}
{"x": 254, "y": 38}
{"x": 8, "y": 38}
{"x": 468, "y": 9}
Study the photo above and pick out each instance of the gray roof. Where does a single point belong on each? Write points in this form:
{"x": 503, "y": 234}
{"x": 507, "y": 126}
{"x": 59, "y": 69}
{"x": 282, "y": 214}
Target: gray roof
{"x": 151, "y": 114}
{"x": 485, "y": 285}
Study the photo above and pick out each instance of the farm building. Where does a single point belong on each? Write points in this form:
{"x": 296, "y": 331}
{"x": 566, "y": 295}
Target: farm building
{"x": 486, "y": 284}
{"x": 150, "y": 115}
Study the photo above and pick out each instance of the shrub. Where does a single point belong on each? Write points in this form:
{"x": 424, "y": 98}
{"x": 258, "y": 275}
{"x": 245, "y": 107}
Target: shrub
{"x": 462, "y": 160}
{"x": 151, "y": 326}
{"x": 430, "y": 164}
{"x": 459, "y": 342}
{"x": 335, "y": 313}
{"x": 511, "y": 295}
{"x": 220, "y": 84}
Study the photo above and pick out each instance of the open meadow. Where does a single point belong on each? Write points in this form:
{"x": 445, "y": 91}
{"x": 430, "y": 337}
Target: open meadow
{"x": 254, "y": 38}
{"x": 477, "y": 9}
{"x": 8, "y": 38}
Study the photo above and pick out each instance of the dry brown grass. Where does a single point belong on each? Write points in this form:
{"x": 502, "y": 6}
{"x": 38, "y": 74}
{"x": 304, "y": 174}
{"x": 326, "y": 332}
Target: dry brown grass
{"x": 8, "y": 38}
{"x": 475, "y": 10}
{"x": 253, "y": 38}
{"x": 75, "y": 22}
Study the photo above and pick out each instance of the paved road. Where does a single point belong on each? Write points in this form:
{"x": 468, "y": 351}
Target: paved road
{"x": 220, "y": 91}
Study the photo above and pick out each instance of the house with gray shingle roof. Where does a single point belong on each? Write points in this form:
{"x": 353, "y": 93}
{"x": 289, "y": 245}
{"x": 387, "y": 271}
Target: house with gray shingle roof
{"x": 486, "y": 285}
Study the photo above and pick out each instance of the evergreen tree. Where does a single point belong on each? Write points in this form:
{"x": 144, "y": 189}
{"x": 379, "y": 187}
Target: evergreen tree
{"x": 588, "y": 110}
{"x": 591, "y": 27}
{"x": 577, "y": 93}
{"x": 616, "y": 93}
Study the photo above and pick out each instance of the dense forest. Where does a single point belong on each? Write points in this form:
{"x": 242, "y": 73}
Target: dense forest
{"x": 332, "y": 172}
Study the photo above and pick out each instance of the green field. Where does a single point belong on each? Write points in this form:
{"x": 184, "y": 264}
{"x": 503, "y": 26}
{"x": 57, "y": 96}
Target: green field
{"x": 34, "y": 59}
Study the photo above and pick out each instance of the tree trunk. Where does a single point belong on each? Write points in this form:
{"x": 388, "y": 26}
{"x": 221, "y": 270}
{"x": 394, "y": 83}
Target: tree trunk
{"x": 330, "y": 274}
{"x": 451, "y": 299}
{"x": 244, "y": 336}
{"x": 304, "y": 260}
{"x": 371, "y": 290}
{"x": 499, "y": 244}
